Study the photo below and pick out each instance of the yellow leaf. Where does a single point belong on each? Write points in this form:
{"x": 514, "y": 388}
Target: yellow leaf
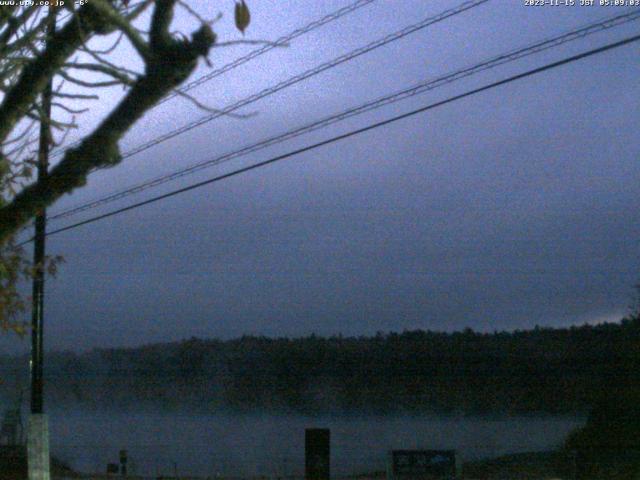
{"x": 243, "y": 17}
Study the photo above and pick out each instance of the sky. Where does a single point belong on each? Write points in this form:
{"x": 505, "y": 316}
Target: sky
{"x": 508, "y": 209}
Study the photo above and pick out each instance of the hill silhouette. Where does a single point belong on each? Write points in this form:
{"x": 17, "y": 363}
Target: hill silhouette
{"x": 542, "y": 370}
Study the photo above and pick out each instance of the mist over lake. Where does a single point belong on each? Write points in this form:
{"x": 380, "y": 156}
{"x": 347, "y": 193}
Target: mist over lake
{"x": 243, "y": 444}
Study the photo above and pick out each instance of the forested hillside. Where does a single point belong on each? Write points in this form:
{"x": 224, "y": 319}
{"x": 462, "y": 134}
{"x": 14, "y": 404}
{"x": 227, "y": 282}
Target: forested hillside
{"x": 541, "y": 370}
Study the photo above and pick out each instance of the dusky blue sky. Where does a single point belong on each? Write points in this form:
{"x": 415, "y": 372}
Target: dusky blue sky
{"x": 509, "y": 209}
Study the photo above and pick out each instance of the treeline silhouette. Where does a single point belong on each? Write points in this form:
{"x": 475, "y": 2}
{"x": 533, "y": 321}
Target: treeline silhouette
{"x": 544, "y": 370}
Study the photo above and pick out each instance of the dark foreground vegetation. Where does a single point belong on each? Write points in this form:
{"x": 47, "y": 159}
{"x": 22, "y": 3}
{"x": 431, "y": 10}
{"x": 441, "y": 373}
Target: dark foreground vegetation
{"x": 536, "y": 371}
{"x": 608, "y": 447}
{"x": 13, "y": 464}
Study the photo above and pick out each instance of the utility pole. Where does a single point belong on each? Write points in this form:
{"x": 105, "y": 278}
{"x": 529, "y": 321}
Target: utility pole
{"x": 38, "y": 460}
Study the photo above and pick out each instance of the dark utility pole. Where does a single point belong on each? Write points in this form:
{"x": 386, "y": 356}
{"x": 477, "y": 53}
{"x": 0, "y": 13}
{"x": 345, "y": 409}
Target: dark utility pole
{"x": 38, "y": 459}
{"x": 39, "y": 246}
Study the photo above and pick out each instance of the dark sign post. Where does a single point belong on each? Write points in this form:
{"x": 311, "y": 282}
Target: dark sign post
{"x": 422, "y": 464}
{"x": 123, "y": 462}
{"x": 317, "y": 453}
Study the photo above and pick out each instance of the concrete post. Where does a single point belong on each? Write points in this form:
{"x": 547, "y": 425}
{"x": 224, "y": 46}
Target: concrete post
{"x": 38, "y": 447}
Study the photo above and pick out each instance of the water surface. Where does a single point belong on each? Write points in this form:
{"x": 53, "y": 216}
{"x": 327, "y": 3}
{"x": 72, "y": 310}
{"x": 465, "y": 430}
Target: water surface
{"x": 234, "y": 444}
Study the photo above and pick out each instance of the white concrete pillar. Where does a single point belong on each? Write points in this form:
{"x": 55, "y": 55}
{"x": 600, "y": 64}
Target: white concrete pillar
{"x": 38, "y": 461}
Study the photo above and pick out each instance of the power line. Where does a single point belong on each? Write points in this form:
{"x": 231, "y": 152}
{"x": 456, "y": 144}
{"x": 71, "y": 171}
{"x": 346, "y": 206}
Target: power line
{"x": 352, "y": 133}
{"x": 308, "y": 74}
{"x": 264, "y": 49}
{"x": 422, "y": 87}
{"x": 254, "y": 54}
{"x": 251, "y": 55}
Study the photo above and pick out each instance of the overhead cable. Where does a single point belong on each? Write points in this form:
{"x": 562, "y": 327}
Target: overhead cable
{"x": 352, "y": 133}
{"x": 427, "y": 22}
{"x": 285, "y": 39}
{"x": 363, "y": 108}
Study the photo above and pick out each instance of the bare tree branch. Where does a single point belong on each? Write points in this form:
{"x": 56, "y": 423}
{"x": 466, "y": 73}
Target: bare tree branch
{"x": 36, "y": 74}
{"x": 125, "y": 26}
{"x": 170, "y": 62}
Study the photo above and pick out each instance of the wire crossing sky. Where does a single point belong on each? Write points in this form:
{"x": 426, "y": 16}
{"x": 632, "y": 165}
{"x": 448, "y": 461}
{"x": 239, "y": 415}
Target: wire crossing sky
{"x": 284, "y": 40}
{"x": 353, "y": 133}
{"x": 408, "y": 30}
{"x": 493, "y": 62}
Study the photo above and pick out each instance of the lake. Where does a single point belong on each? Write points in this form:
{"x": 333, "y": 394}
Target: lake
{"x": 235, "y": 444}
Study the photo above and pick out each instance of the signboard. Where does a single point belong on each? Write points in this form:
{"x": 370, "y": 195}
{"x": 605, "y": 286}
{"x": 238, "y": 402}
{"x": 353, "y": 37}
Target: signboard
{"x": 317, "y": 452}
{"x": 422, "y": 464}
